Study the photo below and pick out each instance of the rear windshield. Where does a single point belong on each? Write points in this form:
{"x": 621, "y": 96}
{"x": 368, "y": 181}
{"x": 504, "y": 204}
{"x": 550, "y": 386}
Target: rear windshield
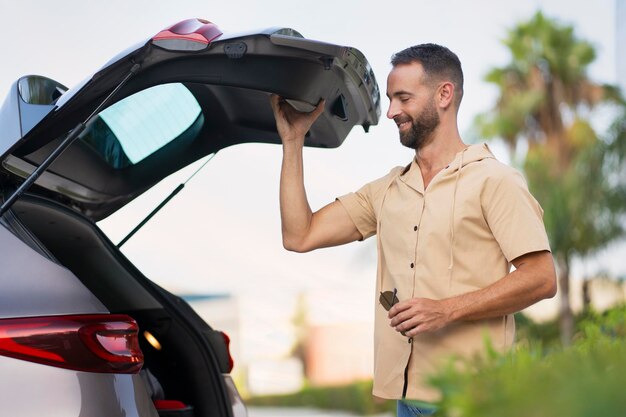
{"x": 139, "y": 125}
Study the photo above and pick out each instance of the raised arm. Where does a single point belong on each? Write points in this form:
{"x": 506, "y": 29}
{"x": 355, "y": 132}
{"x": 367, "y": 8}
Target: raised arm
{"x": 302, "y": 229}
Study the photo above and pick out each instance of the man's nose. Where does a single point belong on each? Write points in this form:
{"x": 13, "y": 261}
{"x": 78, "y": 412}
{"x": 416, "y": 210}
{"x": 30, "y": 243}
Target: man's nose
{"x": 393, "y": 111}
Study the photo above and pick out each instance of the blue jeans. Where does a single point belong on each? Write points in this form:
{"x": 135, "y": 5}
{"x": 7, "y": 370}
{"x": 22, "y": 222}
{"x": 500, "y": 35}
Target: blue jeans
{"x": 410, "y": 410}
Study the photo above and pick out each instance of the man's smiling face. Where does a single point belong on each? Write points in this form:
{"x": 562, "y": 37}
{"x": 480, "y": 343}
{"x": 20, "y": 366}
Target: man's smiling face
{"x": 412, "y": 105}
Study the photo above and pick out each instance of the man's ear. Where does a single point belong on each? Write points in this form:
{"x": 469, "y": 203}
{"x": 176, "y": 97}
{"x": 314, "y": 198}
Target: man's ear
{"x": 445, "y": 94}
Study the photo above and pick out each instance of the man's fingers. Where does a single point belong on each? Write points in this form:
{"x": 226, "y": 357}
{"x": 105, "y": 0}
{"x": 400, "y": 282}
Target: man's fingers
{"x": 398, "y": 308}
{"x": 420, "y": 328}
{"x": 397, "y": 318}
{"x": 410, "y": 327}
{"x": 319, "y": 108}
{"x": 275, "y": 102}
{"x": 403, "y": 324}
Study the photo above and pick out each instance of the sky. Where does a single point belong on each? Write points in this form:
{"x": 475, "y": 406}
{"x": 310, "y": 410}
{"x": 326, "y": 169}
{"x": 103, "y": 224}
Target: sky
{"x": 221, "y": 234}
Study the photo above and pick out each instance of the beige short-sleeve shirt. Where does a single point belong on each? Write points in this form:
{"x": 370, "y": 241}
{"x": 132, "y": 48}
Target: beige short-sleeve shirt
{"x": 457, "y": 236}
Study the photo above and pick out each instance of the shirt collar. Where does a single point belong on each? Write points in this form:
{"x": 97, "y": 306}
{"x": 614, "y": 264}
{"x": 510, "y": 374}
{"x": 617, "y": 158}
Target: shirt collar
{"x": 412, "y": 176}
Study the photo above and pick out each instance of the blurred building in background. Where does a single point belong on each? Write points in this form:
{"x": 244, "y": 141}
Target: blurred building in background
{"x": 339, "y": 354}
{"x": 274, "y": 376}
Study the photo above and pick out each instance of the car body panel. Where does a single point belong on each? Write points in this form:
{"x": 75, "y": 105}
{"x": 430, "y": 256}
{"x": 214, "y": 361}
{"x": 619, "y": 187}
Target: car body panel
{"x": 24, "y": 270}
{"x": 40, "y": 390}
{"x": 85, "y": 253}
{"x": 10, "y": 120}
{"x": 24, "y": 107}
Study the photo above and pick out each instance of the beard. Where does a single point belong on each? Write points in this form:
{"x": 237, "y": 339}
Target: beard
{"x": 422, "y": 128}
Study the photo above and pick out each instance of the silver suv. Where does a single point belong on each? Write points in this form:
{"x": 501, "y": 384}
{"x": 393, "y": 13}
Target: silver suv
{"x": 82, "y": 331}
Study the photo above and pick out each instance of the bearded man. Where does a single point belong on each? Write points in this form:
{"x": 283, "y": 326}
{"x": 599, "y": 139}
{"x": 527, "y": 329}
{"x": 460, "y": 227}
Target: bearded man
{"x": 449, "y": 226}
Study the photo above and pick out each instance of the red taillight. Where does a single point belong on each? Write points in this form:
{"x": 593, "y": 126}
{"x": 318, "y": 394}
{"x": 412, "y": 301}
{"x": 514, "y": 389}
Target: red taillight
{"x": 91, "y": 343}
{"x": 231, "y": 363}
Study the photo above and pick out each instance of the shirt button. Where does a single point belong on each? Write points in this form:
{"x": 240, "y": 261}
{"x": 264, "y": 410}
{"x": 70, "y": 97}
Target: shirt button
{"x": 412, "y": 265}
{"x": 415, "y": 228}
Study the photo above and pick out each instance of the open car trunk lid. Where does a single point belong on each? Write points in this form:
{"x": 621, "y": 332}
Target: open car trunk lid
{"x": 197, "y": 91}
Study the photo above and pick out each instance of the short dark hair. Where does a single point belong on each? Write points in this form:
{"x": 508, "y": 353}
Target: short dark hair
{"x": 438, "y": 62}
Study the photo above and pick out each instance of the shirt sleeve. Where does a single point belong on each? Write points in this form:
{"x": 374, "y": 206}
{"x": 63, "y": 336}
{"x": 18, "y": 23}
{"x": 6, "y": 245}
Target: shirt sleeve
{"x": 515, "y": 217}
{"x": 360, "y": 209}
{"x": 362, "y": 205}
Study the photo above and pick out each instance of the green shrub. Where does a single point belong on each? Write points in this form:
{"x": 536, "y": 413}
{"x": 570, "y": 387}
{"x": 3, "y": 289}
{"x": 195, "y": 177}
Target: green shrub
{"x": 538, "y": 379}
{"x": 586, "y": 379}
{"x": 530, "y": 332}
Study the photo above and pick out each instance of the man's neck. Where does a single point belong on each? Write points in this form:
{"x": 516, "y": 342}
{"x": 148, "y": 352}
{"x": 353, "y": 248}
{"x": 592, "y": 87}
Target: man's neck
{"x": 440, "y": 151}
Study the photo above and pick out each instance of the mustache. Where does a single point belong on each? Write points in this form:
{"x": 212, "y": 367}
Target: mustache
{"x": 400, "y": 120}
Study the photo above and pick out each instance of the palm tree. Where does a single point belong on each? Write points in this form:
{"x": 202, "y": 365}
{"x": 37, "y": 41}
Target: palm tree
{"x": 547, "y": 101}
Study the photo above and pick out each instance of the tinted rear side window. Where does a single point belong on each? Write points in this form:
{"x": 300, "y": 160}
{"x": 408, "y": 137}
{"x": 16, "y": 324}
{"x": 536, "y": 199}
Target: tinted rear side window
{"x": 134, "y": 128}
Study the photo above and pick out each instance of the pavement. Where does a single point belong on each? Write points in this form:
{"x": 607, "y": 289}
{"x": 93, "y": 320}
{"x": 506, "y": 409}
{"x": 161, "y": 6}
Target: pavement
{"x": 301, "y": 412}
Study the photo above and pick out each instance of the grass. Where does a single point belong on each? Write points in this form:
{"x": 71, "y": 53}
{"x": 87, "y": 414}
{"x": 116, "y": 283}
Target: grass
{"x": 356, "y": 398}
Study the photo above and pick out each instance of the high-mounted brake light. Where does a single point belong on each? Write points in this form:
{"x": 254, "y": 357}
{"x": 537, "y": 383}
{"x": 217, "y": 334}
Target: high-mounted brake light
{"x": 105, "y": 343}
{"x": 190, "y": 35}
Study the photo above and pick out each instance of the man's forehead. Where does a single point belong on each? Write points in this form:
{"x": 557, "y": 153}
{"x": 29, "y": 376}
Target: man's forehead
{"x": 405, "y": 76}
